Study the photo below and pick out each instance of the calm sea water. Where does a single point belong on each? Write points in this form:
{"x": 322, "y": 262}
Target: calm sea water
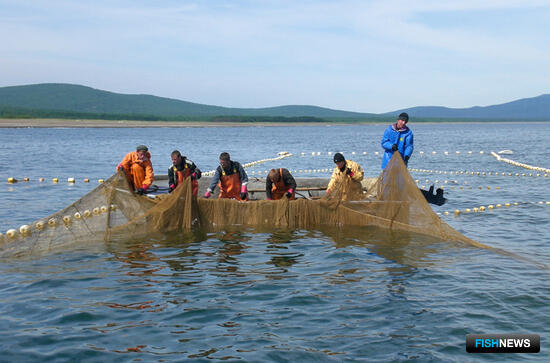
{"x": 351, "y": 294}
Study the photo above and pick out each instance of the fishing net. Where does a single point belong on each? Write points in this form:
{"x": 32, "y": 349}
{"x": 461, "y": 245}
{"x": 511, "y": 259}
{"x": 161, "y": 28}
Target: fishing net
{"x": 112, "y": 211}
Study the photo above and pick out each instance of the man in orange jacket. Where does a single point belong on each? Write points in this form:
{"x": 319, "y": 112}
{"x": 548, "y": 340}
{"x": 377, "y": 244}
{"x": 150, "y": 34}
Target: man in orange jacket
{"x": 138, "y": 168}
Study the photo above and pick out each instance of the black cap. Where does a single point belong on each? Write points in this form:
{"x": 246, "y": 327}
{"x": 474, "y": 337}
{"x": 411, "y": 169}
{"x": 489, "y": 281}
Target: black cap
{"x": 403, "y": 116}
{"x": 339, "y": 157}
{"x": 225, "y": 156}
{"x": 141, "y": 148}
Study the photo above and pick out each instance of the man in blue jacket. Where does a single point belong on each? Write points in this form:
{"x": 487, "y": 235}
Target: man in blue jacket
{"x": 398, "y": 137}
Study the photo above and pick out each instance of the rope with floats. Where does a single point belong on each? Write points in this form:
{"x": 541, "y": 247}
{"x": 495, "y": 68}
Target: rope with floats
{"x": 71, "y": 180}
{"x": 286, "y": 154}
{"x": 54, "y": 180}
{"x": 476, "y": 173}
{"x": 329, "y": 171}
{"x": 521, "y": 165}
{"x": 26, "y": 230}
{"x": 281, "y": 155}
{"x": 492, "y": 207}
{"x": 365, "y": 153}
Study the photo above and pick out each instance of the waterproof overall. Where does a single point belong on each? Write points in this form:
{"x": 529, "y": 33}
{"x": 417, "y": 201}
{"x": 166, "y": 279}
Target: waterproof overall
{"x": 230, "y": 185}
{"x": 279, "y": 189}
{"x": 184, "y": 174}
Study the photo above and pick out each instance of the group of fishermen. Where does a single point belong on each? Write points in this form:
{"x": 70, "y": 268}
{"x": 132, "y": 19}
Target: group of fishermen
{"x": 232, "y": 179}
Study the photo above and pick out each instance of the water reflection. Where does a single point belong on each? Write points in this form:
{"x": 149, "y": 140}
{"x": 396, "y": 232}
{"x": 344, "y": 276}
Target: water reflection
{"x": 279, "y": 238}
{"x": 403, "y": 248}
{"x": 137, "y": 255}
{"x": 399, "y": 256}
{"x": 278, "y": 243}
{"x": 140, "y": 253}
{"x": 400, "y": 253}
{"x": 232, "y": 246}
{"x": 373, "y": 257}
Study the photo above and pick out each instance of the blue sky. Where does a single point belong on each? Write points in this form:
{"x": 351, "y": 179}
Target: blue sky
{"x": 367, "y": 56}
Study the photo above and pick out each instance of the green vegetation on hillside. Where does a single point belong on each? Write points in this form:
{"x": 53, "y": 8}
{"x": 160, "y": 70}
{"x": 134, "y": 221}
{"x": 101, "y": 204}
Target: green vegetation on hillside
{"x": 75, "y": 99}
{"x": 17, "y": 113}
{"x": 66, "y": 101}
{"x": 21, "y": 113}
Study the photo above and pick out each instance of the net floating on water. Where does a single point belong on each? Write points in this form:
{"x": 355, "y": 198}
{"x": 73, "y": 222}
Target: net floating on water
{"x": 113, "y": 211}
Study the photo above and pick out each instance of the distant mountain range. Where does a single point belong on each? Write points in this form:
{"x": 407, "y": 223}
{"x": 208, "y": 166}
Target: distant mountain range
{"x": 525, "y": 108}
{"x": 67, "y": 100}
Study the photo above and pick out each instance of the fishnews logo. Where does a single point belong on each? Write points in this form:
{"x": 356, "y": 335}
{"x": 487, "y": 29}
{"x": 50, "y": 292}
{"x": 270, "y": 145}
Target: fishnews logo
{"x": 503, "y": 343}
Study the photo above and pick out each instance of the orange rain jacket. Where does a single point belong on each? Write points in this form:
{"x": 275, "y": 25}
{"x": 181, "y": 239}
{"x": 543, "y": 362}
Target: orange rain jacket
{"x": 140, "y": 173}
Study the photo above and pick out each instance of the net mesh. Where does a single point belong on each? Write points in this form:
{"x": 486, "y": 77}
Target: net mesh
{"x": 112, "y": 211}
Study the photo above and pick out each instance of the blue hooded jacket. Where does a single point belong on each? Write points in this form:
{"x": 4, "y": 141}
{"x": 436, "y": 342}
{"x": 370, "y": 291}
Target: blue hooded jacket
{"x": 403, "y": 139}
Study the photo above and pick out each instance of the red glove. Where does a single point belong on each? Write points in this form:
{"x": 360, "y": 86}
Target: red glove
{"x": 172, "y": 187}
{"x": 207, "y": 194}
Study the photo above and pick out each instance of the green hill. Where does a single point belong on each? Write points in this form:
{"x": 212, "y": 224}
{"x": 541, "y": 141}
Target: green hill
{"x": 57, "y": 100}
{"x": 67, "y": 100}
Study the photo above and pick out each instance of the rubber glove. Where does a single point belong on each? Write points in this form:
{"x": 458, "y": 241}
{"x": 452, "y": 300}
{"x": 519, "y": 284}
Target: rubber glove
{"x": 142, "y": 190}
{"x": 394, "y": 147}
{"x": 207, "y": 194}
{"x": 289, "y": 193}
{"x": 243, "y": 192}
